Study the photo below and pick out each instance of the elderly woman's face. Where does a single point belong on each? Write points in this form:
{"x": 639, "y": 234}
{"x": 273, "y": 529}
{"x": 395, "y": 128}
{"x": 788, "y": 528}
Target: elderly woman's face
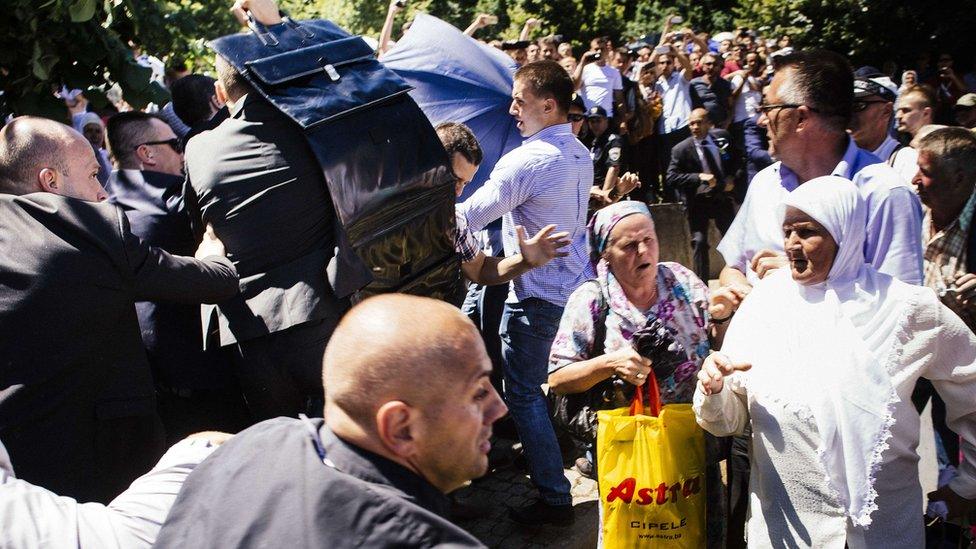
{"x": 809, "y": 247}
{"x": 632, "y": 251}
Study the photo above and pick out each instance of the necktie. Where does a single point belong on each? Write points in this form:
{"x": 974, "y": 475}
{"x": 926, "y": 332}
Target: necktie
{"x": 710, "y": 155}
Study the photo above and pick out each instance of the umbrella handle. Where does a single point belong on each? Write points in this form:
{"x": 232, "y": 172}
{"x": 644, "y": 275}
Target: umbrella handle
{"x": 267, "y": 38}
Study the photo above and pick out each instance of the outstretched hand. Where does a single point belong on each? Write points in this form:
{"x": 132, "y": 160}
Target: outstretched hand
{"x": 711, "y": 377}
{"x": 543, "y": 247}
{"x": 263, "y": 11}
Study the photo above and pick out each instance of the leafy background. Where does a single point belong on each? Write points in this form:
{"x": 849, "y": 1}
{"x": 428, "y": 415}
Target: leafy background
{"x": 85, "y": 44}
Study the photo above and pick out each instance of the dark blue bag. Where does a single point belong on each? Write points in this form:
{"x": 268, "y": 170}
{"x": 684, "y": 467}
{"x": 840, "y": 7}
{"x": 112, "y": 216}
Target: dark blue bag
{"x": 387, "y": 172}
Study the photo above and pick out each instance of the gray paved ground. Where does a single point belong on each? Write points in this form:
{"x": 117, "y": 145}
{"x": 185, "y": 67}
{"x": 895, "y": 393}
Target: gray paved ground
{"x": 510, "y": 487}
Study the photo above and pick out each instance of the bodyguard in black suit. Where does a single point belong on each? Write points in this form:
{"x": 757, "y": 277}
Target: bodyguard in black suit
{"x": 196, "y": 390}
{"x": 77, "y": 410}
{"x": 257, "y": 182}
{"x": 702, "y": 169}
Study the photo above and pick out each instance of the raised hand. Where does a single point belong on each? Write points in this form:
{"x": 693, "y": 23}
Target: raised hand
{"x": 726, "y": 300}
{"x": 627, "y": 183}
{"x": 263, "y": 11}
{"x": 766, "y": 261}
{"x": 210, "y": 245}
{"x": 711, "y": 377}
{"x": 543, "y": 247}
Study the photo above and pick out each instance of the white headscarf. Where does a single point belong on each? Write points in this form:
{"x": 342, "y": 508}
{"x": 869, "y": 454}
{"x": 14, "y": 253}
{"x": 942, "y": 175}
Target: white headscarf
{"x": 824, "y": 350}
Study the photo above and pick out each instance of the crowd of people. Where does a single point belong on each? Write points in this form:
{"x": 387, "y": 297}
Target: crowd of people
{"x": 169, "y": 279}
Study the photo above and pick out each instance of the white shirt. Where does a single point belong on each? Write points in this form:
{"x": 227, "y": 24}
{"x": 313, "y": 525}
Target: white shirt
{"x": 32, "y": 516}
{"x": 894, "y": 225}
{"x": 598, "y": 84}
{"x": 747, "y": 104}
{"x": 676, "y": 101}
{"x": 906, "y": 158}
{"x": 545, "y": 180}
{"x": 790, "y": 505}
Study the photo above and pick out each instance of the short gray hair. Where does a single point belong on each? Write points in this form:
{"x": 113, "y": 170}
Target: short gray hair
{"x": 28, "y": 145}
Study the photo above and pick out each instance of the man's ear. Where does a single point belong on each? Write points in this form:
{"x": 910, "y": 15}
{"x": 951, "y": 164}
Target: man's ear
{"x": 220, "y": 92}
{"x": 549, "y": 106}
{"x": 395, "y": 425}
{"x": 145, "y": 156}
{"x": 47, "y": 180}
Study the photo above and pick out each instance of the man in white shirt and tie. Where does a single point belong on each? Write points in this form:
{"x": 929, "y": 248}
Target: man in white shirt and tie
{"x": 702, "y": 171}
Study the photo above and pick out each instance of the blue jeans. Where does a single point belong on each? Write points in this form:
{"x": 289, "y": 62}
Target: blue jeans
{"x": 527, "y": 330}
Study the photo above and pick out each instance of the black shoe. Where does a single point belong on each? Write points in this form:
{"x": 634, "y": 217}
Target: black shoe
{"x": 585, "y": 468}
{"x": 540, "y": 512}
{"x": 461, "y": 510}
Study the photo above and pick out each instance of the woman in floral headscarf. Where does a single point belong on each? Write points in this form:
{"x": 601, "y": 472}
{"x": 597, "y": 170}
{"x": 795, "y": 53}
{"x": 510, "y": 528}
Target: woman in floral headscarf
{"x": 594, "y": 353}
{"x": 632, "y": 290}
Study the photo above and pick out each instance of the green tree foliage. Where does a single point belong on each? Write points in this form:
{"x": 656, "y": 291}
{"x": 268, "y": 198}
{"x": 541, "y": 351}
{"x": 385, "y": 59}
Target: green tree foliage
{"x": 46, "y": 44}
{"x": 868, "y": 31}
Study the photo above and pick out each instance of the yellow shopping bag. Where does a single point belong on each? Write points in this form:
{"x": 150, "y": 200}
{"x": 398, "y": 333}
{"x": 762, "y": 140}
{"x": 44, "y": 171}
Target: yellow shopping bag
{"x": 652, "y": 476}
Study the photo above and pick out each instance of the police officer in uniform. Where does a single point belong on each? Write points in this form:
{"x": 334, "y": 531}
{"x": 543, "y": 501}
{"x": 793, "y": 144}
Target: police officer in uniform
{"x": 610, "y": 182}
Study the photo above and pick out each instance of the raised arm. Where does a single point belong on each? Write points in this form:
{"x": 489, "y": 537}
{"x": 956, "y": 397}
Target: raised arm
{"x": 481, "y": 21}
{"x": 535, "y": 252}
{"x": 387, "y": 32}
{"x": 530, "y": 25}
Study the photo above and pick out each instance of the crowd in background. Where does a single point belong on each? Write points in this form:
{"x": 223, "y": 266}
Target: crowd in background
{"x": 714, "y": 122}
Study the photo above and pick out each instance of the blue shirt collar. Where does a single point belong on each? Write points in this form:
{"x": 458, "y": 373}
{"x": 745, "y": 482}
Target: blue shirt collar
{"x": 849, "y": 165}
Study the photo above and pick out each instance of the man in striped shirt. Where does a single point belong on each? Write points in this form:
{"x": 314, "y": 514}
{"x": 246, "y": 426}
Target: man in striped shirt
{"x": 545, "y": 180}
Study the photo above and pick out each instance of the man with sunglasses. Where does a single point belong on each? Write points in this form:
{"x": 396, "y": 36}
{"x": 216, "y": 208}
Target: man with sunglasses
{"x": 874, "y": 107}
{"x": 196, "y": 389}
{"x": 806, "y": 111}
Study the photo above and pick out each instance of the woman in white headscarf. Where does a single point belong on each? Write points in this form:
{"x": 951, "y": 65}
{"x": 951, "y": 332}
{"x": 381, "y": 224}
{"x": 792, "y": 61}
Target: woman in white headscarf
{"x": 835, "y": 349}
{"x": 90, "y": 125}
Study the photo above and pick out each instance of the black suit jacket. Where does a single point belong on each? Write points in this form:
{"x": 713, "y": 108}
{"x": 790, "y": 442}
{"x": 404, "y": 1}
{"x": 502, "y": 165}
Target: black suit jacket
{"x": 257, "y": 182}
{"x": 171, "y": 332}
{"x": 685, "y": 166}
{"x": 70, "y": 350}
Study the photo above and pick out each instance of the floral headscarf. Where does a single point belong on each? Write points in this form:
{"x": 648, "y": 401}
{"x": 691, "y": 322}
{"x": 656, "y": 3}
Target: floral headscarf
{"x": 605, "y": 219}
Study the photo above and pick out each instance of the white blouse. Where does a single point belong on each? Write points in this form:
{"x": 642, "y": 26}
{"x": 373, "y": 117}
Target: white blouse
{"x": 790, "y": 505}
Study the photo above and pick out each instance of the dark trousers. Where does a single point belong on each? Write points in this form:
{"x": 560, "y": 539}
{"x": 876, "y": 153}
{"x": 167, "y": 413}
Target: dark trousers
{"x": 127, "y": 448}
{"x": 90, "y": 452}
{"x": 950, "y": 440}
{"x": 738, "y": 504}
{"x": 281, "y": 373}
{"x": 644, "y": 161}
{"x": 666, "y": 142}
{"x": 188, "y": 411}
{"x": 720, "y": 209}
{"x": 738, "y": 134}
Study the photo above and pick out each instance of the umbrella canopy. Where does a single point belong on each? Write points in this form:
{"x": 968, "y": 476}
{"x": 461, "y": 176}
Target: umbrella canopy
{"x": 457, "y": 79}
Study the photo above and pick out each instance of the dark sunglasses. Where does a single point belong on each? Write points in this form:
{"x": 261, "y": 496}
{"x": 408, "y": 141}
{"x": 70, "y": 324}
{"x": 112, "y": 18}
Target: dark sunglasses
{"x": 766, "y": 109}
{"x": 174, "y": 144}
{"x": 576, "y": 117}
{"x": 861, "y": 105}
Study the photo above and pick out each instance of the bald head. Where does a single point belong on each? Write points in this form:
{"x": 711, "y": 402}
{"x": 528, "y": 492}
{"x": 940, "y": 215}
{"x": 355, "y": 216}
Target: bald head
{"x": 398, "y": 347}
{"x": 41, "y": 155}
{"x": 27, "y": 145}
{"x": 407, "y": 378}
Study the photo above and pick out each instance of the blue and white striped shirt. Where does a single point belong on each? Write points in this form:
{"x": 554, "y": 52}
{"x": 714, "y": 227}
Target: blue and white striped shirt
{"x": 545, "y": 180}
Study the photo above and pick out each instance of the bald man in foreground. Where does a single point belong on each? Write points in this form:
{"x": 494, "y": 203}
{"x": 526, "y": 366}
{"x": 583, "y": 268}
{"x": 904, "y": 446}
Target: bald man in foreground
{"x": 408, "y": 408}
{"x": 77, "y": 405}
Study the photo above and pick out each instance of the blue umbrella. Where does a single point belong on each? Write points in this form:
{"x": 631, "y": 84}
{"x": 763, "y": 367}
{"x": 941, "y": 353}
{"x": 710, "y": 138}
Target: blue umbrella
{"x": 457, "y": 79}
